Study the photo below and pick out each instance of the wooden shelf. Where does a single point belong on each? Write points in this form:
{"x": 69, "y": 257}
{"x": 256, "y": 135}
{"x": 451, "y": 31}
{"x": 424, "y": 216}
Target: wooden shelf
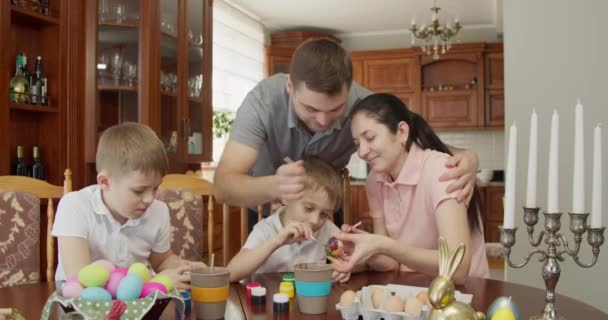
{"x": 168, "y": 93}
{"x": 31, "y": 107}
{"x": 168, "y": 35}
{"x": 116, "y": 88}
{"x": 31, "y": 17}
{"x": 119, "y": 25}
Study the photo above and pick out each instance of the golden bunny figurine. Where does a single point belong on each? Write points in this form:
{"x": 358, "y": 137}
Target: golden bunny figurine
{"x": 441, "y": 291}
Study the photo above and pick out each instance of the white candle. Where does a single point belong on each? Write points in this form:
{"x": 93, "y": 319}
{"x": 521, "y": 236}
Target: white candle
{"x": 596, "y": 200}
{"x": 578, "y": 180}
{"x": 532, "y": 161}
{"x": 509, "y": 202}
{"x": 552, "y": 185}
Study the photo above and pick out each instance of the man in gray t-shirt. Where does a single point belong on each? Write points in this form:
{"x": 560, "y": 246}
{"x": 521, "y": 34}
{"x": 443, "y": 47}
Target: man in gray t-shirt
{"x": 303, "y": 113}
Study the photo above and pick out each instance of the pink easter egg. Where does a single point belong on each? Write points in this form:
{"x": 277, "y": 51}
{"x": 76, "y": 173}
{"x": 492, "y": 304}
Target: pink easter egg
{"x": 106, "y": 264}
{"x": 150, "y": 287}
{"x": 71, "y": 289}
{"x": 121, "y": 270}
{"x": 73, "y": 278}
{"x": 115, "y": 277}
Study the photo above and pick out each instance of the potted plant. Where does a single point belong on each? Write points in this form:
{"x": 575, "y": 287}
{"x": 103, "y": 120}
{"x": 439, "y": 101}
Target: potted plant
{"x": 222, "y": 122}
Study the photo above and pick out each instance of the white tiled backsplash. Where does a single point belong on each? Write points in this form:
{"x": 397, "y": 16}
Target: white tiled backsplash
{"x": 489, "y": 146}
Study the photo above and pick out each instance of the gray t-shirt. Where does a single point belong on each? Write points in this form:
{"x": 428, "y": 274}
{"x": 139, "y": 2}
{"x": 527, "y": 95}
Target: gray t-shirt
{"x": 266, "y": 121}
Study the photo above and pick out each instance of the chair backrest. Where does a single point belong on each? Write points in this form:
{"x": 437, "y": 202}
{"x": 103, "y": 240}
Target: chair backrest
{"x": 348, "y": 218}
{"x": 12, "y": 185}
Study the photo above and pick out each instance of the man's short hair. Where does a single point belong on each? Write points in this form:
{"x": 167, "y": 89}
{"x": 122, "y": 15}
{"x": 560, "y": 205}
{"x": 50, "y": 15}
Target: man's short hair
{"x": 322, "y": 65}
{"x": 129, "y": 147}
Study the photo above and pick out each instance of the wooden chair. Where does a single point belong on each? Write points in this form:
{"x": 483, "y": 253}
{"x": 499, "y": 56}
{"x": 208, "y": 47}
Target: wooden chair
{"x": 31, "y": 190}
{"x": 194, "y": 183}
{"x": 348, "y": 215}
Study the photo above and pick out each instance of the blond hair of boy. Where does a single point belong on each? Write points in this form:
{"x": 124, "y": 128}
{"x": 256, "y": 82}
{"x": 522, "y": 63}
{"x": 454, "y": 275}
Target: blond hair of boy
{"x": 298, "y": 231}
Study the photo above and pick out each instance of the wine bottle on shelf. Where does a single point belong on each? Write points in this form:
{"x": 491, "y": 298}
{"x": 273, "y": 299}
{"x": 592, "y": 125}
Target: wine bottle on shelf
{"x": 43, "y": 91}
{"x": 20, "y": 166}
{"x": 36, "y": 85}
{"x": 28, "y": 76}
{"x": 38, "y": 171}
{"x": 19, "y": 85}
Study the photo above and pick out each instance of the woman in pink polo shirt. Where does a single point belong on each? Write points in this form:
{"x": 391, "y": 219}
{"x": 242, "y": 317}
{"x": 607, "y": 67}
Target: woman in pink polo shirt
{"x": 409, "y": 205}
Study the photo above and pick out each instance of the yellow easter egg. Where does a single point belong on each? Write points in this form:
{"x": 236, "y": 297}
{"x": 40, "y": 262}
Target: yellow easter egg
{"x": 166, "y": 281}
{"x": 503, "y": 314}
{"x": 93, "y": 275}
{"x": 141, "y": 270}
{"x": 347, "y": 298}
{"x": 377, "y": 297}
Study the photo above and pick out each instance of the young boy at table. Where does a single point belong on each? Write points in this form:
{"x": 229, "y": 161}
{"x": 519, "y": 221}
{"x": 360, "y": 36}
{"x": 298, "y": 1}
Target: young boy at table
{"x": 298, "y": 231}
{"x": 118, "y": 219}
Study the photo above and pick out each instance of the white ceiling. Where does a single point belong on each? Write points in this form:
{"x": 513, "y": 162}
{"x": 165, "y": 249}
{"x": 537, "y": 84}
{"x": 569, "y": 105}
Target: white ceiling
{"x": 352, "y": 17}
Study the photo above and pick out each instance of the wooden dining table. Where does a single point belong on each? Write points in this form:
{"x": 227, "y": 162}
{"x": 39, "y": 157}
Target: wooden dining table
{"x": 30, "y": 299}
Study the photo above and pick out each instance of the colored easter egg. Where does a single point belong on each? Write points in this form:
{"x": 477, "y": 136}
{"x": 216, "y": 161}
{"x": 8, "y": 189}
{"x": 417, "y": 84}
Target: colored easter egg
{"x": 93, "y": 275}
{"x": 106, "y": 264}
{"x": 121, "y": 270}
{"x": 114, "y": 281}
{"x": 503, "y": 314}
{"x": 334, "y": 247}
{"x": 72, "y": 289}
{"x": 130, "y": 287}
{"x": 166, "y": 281}
{"x": 73, "y": 278}
{"x": 151, "y": 287}
{"x": 141, "y": 270}
{"x": 95, "y": 294}
{"x": 504, "y": 302}
{"x": 347, "y": 298}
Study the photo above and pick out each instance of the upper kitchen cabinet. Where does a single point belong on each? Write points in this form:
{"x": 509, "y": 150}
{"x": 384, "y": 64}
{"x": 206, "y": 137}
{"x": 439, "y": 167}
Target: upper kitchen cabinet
{"x": 453, "y": 87}
{"x": 494, "y": 95}
{"x": 390, "y": 71}
{"x": 150, "y": 62}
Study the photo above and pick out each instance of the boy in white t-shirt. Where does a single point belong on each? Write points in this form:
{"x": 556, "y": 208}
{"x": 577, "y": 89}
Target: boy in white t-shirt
{"x": 298, "y": 231}
{"x": 118, "y": 219}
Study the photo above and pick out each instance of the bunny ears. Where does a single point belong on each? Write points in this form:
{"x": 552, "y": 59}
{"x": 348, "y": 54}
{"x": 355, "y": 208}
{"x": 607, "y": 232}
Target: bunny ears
{"x": 448, "y": 265}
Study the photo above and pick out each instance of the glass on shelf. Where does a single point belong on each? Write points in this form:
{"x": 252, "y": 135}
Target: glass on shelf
{"x": 116, "y": 67}
{"x": 117, "y": 11}
{"x": 129, "y": 72}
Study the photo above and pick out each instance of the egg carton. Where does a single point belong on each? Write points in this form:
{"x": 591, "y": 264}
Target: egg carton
{"x": 362, "y": 305}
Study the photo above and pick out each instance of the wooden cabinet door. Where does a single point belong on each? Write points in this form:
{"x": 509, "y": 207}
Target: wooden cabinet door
{"x": 495, "y": 108}
{"x": 278, "y": 65}
{"x": 358, "y": 72}
{"x": 455, "y": 108}
{"x": 410, "y": 99}
{"x": 494, "y": 65}
{"x": 493, "y": 204}
{"x": 359, "y": 205}
{"x": 391, "y": 75}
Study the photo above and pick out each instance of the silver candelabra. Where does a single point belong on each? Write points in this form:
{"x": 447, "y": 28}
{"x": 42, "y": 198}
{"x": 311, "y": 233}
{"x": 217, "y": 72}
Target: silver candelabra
{"x": 557, "y": 247}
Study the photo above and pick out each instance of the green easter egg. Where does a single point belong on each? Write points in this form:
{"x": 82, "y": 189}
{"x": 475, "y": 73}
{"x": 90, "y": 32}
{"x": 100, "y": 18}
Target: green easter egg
{"x": 141, "y": 270}
{"x": 503, "y": 314}
{"x": 164, "y": 280}
{"x": 93, "y": 275}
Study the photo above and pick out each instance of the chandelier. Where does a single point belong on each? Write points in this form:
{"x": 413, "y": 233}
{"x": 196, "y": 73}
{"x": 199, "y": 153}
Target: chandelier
{"x": 435, "y": 35}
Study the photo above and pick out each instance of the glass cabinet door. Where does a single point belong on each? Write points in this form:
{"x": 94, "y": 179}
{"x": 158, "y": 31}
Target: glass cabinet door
{"x": 170, "y": 116}
{"x": 117, "y": 62}
{"x": 196, "y": 106}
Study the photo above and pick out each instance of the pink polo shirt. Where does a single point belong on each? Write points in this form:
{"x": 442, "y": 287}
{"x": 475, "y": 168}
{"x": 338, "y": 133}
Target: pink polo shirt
{"x": 409, "y": 203}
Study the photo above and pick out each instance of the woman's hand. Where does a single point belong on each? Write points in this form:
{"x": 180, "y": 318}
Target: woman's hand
{"x": 463, "y": 171}
{"x": 340, "y": 276}
{"x": 359, "y": 247}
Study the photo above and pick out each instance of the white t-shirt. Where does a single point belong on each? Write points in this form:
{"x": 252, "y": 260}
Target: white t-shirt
{"x": 285, "y": 257}
{"x": 83, "y": 214}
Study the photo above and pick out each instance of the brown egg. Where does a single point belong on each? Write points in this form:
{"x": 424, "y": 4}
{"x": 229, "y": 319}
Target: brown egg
{"x": 394, "y": 304}
{"x": 423, "y": 297}
{"x": 413, "y": 307}
{"x": 377, "y": 297}
{"x": 347, "y": 298}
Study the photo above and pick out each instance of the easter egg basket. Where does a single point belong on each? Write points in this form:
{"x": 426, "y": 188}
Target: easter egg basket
{"x": 150, "y": 307}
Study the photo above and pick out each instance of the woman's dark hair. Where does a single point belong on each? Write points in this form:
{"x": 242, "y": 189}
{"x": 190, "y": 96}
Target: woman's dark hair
{"x": 389, "y": 110}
